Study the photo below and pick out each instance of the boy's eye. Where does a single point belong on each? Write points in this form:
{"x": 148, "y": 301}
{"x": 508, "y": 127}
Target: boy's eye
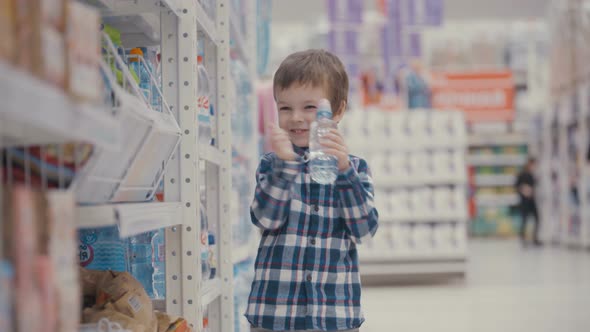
{"x": 285, "y": 108}
{"x": 310, "y": 107}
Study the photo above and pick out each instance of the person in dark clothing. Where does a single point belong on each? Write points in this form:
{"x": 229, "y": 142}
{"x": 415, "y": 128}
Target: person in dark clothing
{"x": 525, "y": 186}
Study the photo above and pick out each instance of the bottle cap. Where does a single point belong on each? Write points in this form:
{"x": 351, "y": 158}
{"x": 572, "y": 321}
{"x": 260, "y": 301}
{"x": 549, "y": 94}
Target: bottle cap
{"x": 324, "y": 109}
{"x": 137, "y": 52}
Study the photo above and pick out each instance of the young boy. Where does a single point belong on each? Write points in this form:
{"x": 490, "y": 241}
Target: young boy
{"x": 307, "y": 275}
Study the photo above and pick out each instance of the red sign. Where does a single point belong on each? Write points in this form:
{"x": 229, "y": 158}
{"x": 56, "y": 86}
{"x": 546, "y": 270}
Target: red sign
{"x": 483, "y": 96}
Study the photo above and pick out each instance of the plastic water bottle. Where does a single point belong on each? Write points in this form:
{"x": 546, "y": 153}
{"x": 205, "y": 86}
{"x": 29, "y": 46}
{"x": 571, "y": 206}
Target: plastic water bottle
{"x": 212, "y": 256}
{"x": 140, "y": 260}
{"x": 102, "y": 249}
{"x": 205, "y": 268}
{"x": 203, "y": 96}
{"x": 159, "y": 264}
{"x": 145, "y": 83}
{"x": 323, "y": 167}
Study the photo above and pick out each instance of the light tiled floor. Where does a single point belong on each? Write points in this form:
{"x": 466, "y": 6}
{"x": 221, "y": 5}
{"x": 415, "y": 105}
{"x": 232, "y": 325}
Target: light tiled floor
{"x": 507, "y": 288}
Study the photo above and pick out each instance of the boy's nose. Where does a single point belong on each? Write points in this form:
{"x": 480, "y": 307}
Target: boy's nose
{"x": 297, "y": 116}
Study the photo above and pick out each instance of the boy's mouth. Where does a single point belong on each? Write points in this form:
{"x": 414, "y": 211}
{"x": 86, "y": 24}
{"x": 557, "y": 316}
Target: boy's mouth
{"x": 299, "y": 131}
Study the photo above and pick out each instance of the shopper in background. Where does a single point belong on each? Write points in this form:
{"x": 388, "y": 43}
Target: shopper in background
{"x": 525, "y": 185}
{"x": 307, "y": 275}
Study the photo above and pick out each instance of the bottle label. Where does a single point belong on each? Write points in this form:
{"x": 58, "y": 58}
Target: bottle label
{"x": 135, "y": 303}
{"x": 86, "y": 253}
{"x": 203, "y": 109}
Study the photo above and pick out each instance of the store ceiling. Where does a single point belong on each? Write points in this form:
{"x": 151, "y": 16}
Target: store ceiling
{"x": 310, "y": 11}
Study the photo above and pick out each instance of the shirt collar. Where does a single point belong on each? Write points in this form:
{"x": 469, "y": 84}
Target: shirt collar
{"x": 300, "y": 151}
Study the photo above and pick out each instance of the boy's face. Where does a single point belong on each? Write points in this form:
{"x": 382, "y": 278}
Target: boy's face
{"x": 297, "y": 106}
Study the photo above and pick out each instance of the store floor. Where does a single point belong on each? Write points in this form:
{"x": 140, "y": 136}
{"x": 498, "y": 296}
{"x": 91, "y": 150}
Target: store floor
{"x": 507, "y": 289}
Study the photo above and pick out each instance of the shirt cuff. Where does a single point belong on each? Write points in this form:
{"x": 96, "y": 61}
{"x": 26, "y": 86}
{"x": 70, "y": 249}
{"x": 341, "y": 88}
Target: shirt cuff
{"x": 347, "y": 177}
{"x": 287, "y": 169}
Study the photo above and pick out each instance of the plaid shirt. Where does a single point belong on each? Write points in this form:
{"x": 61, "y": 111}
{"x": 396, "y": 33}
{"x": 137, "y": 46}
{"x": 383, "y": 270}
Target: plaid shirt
{"x": 306, "y": 270}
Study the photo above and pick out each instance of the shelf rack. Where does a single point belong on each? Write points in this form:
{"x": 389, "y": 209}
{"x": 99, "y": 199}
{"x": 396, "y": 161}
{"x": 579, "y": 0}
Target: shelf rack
{"x": 35, "y": 113}
{"x": 42, "y": 114}
{"x": 422, "y": 213}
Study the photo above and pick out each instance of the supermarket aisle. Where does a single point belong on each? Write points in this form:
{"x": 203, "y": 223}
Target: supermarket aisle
{"x": 507, "y": 289}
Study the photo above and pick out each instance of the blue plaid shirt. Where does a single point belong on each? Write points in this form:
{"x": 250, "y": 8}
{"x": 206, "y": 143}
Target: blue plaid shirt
{"x": 306, "y": 270}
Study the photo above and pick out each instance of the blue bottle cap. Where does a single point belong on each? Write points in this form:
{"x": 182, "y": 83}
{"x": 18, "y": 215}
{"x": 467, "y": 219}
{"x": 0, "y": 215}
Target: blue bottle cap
{"x": 324, "y": 109}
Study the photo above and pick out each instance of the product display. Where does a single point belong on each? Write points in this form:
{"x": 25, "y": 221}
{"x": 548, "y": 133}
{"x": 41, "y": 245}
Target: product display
{"x": 419, "y": 170}
{"x": 496, "y": 167}
{"x": 39, "y": 242}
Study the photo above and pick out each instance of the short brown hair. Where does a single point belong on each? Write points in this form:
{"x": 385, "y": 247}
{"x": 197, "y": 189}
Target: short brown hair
{"x": 319, "y": 68}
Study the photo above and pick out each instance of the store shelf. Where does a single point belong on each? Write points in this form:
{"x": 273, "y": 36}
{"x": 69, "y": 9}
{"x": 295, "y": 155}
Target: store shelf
{"x": 396, "y": 182}
{"x": 132, "y": 218}
{"x": 211, "y": 154}
{"x": 42, "y": 114}
{"x": 496, "y": 200}
{"x": 412, "y": 268}
{"x": 210, "y": 291}
{"x": 206, "y": 23}
{"x": 138, "y": 21}
{"x": 497, "y": 139}
{"x": 370, "y": 259}
{"x": 496, "y": 160}
{"x": 238, "y": 36}
{"x": 400, "y": 147}
{"x": 495, "y": 180}
{"x": 438, "y": 219}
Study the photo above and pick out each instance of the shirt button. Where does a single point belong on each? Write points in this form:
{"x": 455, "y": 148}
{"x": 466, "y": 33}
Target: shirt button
{"x": 309, "y": 277}
{"x": 312, "y": 241}
{"x": 316, "y": 208}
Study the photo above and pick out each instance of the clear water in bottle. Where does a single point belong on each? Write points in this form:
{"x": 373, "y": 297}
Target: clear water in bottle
{"x": 323, "y": 167}
{"x": 102, "y": 249}
{"x": 159, "y": 264}
{"x": 205, "y": 268}
{"x": 203, "y": 99}
{"x": 140, "y": 260}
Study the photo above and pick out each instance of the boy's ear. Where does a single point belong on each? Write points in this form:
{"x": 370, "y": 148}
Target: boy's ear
{"x": 340, "y": 114}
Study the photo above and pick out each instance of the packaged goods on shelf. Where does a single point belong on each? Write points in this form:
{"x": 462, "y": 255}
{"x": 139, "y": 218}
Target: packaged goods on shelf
{"x": 39, "y": 241}
{"x": 118, "y": 297}
{"x": 40, "y": 40}
{"x": 419, "y": 174}
{"x": 149, "y": 141}
{"x": 83, "y": 52}
{"x": 103, "y": 249}
{"x": 6, "y": 298}
{"x": 8, "y": 30}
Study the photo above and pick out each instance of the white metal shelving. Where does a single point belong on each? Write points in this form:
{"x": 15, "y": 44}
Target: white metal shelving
{"x": 497, "y": 200}
{"x": 413, "y": 268}
{"x": 495, "y": 139}
{"x": 206, "y": 23}
{"x": 34, "y": 113}
{"x": 492, "y": 180}
{"x": 496, "y": 160}
{"x": 394, "y": 181}
{"x": 423, "y": 206}
{"x": 131, "y": 218}
{"x": 42, "y": 114}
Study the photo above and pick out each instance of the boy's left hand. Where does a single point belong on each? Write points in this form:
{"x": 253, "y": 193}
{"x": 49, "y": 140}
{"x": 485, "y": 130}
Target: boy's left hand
{"x": 333, "y": 144}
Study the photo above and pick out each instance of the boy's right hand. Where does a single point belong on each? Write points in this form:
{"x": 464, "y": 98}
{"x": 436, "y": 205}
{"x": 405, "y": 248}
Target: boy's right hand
{"x": 281, "y": 143}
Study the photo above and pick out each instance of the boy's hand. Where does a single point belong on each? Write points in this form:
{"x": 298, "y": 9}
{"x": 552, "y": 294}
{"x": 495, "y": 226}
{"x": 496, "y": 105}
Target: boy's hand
{"x": 333, "y": 144}
{"x": 281, "y": 144}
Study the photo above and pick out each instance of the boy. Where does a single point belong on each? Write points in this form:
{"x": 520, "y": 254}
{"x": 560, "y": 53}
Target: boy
{"x": 307, "y": 275}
